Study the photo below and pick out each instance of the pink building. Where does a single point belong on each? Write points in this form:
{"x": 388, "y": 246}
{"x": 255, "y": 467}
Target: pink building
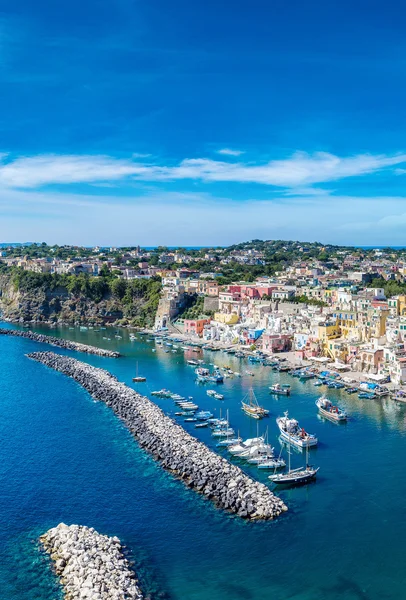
{"x": 276, "y": 342}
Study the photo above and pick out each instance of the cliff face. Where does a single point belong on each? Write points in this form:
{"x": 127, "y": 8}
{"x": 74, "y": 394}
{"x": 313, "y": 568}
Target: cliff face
{"x": 59, "y": 305}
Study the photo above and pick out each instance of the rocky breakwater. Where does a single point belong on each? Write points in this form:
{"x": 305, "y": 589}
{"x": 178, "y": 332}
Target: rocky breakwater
{"x": 177, "y": 451}
{"x": 61, "y": 343}
{"x": 90, "y": 565}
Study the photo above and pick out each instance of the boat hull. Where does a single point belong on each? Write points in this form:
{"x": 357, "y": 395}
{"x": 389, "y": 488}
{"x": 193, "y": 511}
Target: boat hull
{"x": 336, "y": 417}
{"x": 295, "y": 479}
{"x": 295, "y": 441}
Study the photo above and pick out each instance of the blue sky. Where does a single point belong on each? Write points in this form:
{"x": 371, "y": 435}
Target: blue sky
{"x": 126, "y": 122}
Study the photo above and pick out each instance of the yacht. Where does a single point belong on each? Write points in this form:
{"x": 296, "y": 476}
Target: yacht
{"x": 241, "y": 446}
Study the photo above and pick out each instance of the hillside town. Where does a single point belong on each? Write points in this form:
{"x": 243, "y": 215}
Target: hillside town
{"x": 318, "y": 303}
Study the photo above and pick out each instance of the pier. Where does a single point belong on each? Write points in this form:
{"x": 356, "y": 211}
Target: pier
{"x": 90, "y": 565}
{"x": 61, "y": 343}
{"x": 176, "y": 450}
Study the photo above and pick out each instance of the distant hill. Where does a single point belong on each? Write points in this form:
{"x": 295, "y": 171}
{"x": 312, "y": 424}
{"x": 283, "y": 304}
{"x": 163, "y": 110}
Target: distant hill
{"x": 15, "y": 244}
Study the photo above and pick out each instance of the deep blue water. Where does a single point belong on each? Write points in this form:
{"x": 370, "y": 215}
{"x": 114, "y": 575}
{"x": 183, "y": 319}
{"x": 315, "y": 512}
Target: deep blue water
{"x": 64, "y": 457}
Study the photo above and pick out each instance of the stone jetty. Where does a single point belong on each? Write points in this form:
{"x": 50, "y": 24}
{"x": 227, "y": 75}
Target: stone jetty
{"x": 90, "y": 565}
{"x": 61, "y": 343}
{"x": 177, "y": 451}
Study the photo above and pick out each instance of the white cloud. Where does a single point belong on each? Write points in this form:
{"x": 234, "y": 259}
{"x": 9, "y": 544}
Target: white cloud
{"x": 300, "y": 171}
{"x": 179, "y": 218}
{"x": 230, "y": 152}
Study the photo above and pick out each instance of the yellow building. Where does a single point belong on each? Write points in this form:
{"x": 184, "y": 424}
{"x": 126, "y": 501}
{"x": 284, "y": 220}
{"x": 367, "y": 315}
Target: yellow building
{"x": 398, "y": 304}
{"x": 326, "y": 332}
{"x": 226, "y": 319}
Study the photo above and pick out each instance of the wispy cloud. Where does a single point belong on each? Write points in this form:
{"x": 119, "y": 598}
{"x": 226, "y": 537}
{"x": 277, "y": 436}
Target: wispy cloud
{"x": 119, "y": 220}
{"x": 230, "y": 152}
{"x": 298, "y": 172}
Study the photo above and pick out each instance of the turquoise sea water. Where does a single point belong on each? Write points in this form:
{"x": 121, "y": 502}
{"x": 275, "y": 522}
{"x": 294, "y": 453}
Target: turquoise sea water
{"x": 64, "y": 457}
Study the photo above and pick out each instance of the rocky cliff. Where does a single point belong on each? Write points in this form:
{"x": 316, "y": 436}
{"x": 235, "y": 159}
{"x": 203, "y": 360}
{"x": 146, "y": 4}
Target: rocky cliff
{"x": 47, "y": 302}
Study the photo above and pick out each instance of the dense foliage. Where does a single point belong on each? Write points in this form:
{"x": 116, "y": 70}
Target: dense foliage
{"x": 196, "y": 309}
{"x": 391, "y": 287}
{"x": 137, "y": 299}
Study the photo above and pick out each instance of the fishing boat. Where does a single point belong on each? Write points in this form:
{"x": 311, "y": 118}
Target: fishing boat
{"x": 381, "y": 391}
{"x": 251, "y": 407}
{"x": 202, "y": 373}
{"x": 318, "y": 383}
{"x": 216, "y": 377}
{"x": 283, "y": 368}
{"x": 294, "y": 434}
{"x": 327, "y": 409}
{"x": 282, "y": 390}
{"x": 305, "y": 375}
{"x": 366, "y": 395}
{"x": 192, "y": 362}
{"x": 295, "y": 476}
{"x": 351, "y": 390}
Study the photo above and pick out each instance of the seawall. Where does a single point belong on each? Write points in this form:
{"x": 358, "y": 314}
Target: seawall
{"x": 90, "y": 565}
{"x": 61, "y": 343}
{"x": 175, "y": 449}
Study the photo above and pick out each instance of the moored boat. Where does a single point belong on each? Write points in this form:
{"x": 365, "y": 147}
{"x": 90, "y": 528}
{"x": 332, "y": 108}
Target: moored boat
{"x": 329, "y": 410}
{"x": 291, "y": 432}
{"x": 295, "y": 476}
{"x": 282, "y": 390}
{"x": 251, "y": 407}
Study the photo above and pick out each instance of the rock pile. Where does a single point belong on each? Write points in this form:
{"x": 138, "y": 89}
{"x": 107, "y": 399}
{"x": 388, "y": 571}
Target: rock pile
{"x": 90, "y": 565}
{"x": 177, "y": 451}
{"x": 61, "y": 343}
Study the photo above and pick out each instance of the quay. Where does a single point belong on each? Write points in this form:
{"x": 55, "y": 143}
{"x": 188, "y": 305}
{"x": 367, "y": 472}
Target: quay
{"x": 176, "y": 450}
{"x": 90, "y": 565}
{"x": 60, "y": 342}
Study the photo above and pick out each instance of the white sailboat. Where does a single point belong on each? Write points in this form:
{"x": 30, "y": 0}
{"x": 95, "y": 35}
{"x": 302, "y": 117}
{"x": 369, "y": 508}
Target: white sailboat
{"x": 137, "y": 378}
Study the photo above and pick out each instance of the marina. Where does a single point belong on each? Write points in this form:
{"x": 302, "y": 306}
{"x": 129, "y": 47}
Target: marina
{"x": 340, "y": 454}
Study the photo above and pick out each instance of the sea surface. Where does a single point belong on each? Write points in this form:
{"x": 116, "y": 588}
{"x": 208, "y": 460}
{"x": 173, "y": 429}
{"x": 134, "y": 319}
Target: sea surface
{"x": 65, "y": 457}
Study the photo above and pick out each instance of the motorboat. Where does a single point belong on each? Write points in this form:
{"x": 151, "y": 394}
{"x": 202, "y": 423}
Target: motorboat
{"x": 232, "y": 441}
{"x": 241, "y": 446}
{"x": 280, "y": 390}
{"x": 271, "y": 463}
{"x": 327, "y": 409}
{"x": 203, "y": 415}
